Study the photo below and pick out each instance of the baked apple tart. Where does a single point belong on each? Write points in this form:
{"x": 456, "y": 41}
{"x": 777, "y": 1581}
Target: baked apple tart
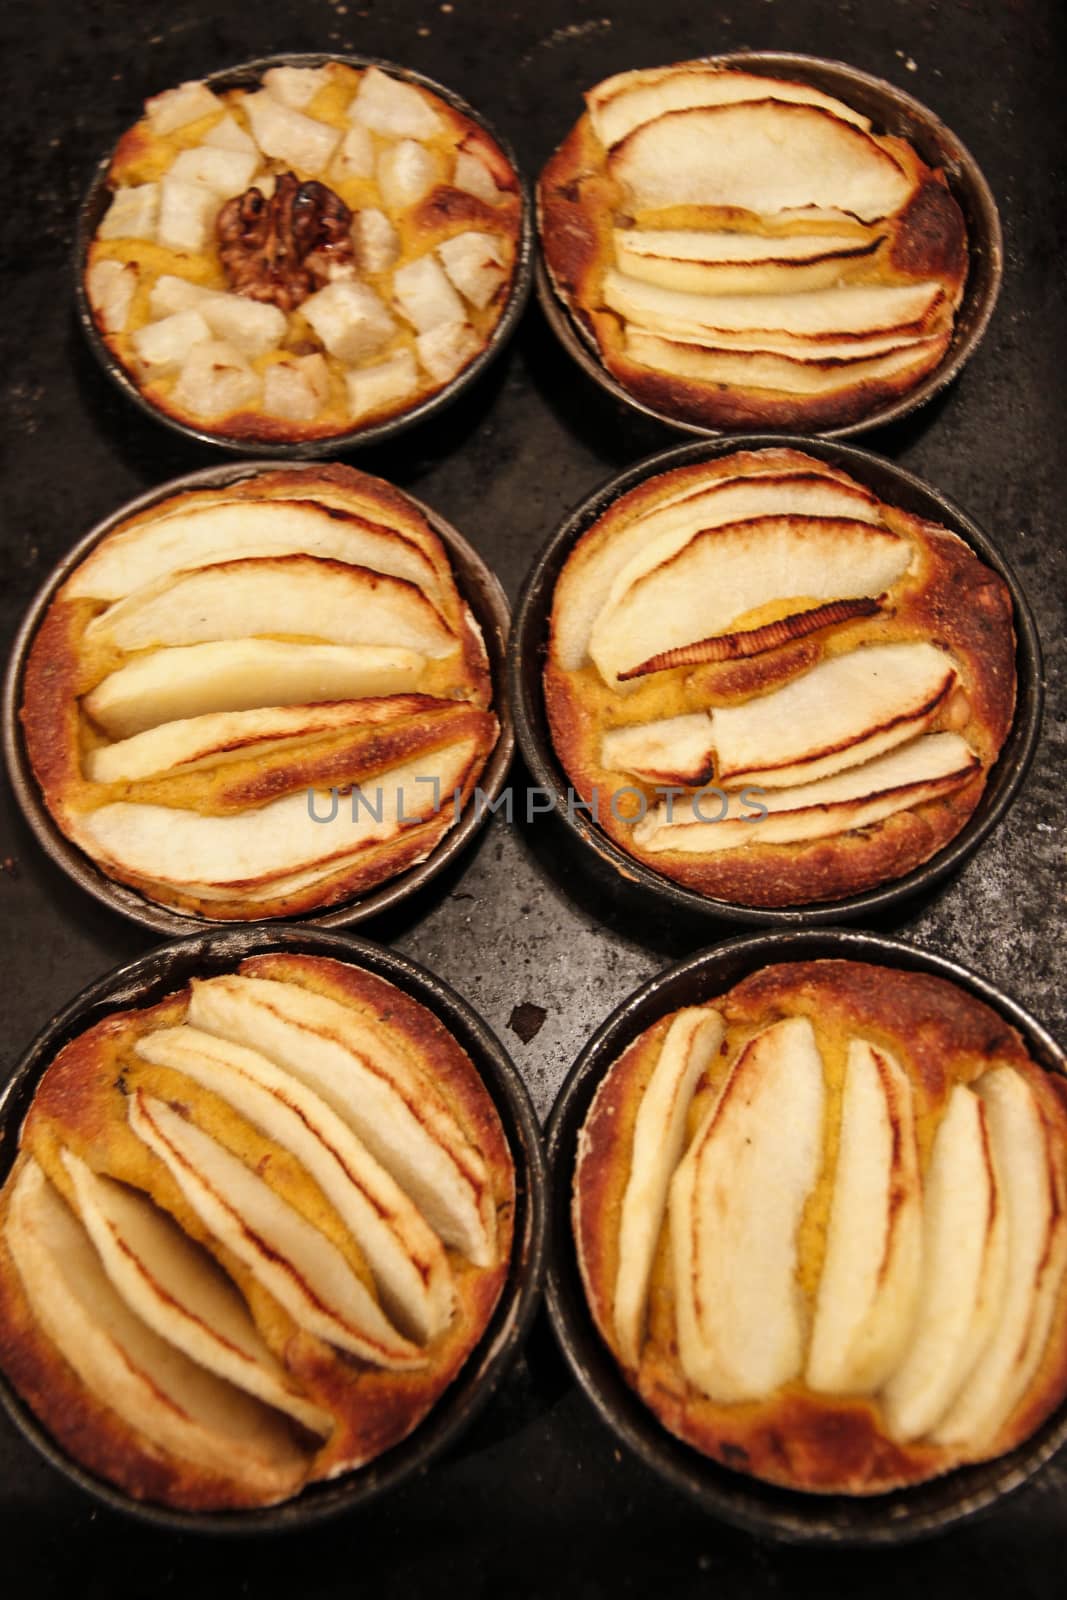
{"x": 252, "y": 1233}
{"x": 260, "y": 700}
{"x": 821, "y": 1223}
{"x": 745, "y": 251}
{"x": 770, "y": 686}
{"x": 305, "y": 258}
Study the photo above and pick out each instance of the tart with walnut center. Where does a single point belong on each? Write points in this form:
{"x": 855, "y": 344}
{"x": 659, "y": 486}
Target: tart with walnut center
{"x": 775, "y": 688}
{"x": 303, "y": 258}
{"x": 821, "y": 1223}
{"x": 252, "y": 1233}
{"x": 263, "y": 699}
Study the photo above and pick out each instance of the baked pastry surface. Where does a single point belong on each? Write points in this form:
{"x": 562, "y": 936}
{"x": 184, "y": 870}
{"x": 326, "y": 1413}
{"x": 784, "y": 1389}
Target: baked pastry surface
{"x": 252, "y": 1233}
{"x": 821, "y": 1226}
{"x": 261, "y": 699}
{"x": 776, "y": 688}
{"x": 743, "y": 251}
{"x": 299, "y": 260}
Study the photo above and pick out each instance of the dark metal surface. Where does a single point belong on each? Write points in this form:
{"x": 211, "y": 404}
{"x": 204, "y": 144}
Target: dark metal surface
{"x": 529, "y": 643}
{"x": 883, "y": 1519}
{"x": 539, "y": 1499}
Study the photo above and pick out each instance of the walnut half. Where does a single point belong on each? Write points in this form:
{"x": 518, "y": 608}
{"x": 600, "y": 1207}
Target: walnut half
{"x": 284, "y": 248}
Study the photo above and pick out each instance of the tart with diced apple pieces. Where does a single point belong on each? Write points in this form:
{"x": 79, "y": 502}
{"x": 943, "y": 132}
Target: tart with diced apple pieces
{"x": 773, "y": 687}
{"x": 252, "y": 1233}
{"x": 260, "y": 700}
{"x": 821, "y": 1223}
{"x": 305, "y": 258}
{"x": 743, "y": 251}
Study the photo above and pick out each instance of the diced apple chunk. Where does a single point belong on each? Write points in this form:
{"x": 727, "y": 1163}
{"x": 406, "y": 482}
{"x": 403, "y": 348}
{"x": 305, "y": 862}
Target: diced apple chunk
{"x": 170, "y": 293}
{"x": 475, "y": 264}
{"x": 176, "y": 107}
{"x": 186, "y": 214}
{"x": 215, "y": 380}
{"x": 425, "y": 296}
{"x": 376, "y": 240}
{"x": 372, "y": 388}
{"x": 289, "y": 136}
{"x": 472, "y": 174}
{"x": 163, "y": 345}
{"x": 251, "y": 326}
{"x": 266, "y": 183}
{"x": 111, "y": 286}
{"x": 397, "y": 110}
{"x": 350, "y": 319}
{"x": 406, "y": 172}
{"x": 447, "y": 348}
{"x": 355, "y": 159}
{"x": 296, "y": 86}
{"x": 227, "y": 172}
{"x": 229, "y": 135}
{"x": 296, "y": 388}
{"x": 132, "y": 214}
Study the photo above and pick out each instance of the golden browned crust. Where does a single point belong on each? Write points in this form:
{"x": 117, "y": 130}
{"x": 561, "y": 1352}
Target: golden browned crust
{"x": 796, "y": 1438}
{"x": 578, "y": 204}
{"x": 951, "y": 598}
{"x": 80, "y": 1104}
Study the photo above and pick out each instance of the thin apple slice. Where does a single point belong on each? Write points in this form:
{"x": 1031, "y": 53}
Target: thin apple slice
{"x": 844, "y": 711}
{"x": 723, "y": 573}
{"x": 630, "y": 99}
{"x": 738, "y": 263}
{"x": 964, "y": 1253}
{"x": 204, "y": 535}
{"x": 299, "y": 1266}
{"x": 756, "y": 369}
{"x": 927, "y": 768}
{"x": 696, "y": 343}
{"x": 850, "y": 309}
{"x": 155, "y": 1389}
{"x": 1037, "y": 1256}
{"x": 232, "y": 675}
{"x": 179, "y": 1292}
{"x": 170, "y": 845}
{"x": 410, "y": 1268}
{"x": 869, "y": 1286}
{"x": 672, "y": 750}
{"x": 373, "y": 1087}
{"x": 321, "y": 598}
{"x": 760, "y": 156}
{"x": 691, "y": 1042}
{"x": 196, "y": 740}
{"x": 735, "y": 1206}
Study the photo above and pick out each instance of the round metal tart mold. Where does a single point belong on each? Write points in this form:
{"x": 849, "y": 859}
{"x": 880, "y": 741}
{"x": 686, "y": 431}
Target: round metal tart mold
{"x": 896, "y": 487}
{"x": 477, "y": 585}
{"x": 792, "y": 1516}
{"x": 168, "y": 968}
{"x": 892, "y": 111}
{"x": 248, "y": 75}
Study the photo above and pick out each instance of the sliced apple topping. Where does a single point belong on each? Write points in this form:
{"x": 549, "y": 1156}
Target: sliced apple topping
{"x": 964, "y": 1252}
{"x": 233, "y": 675}
{"x": 1037, "y": 1256}
{"x": 389, "y": 1105}
{"x": 677, "y": 750}
{"x": 760, "y": 369}
{"x": 691, "y": 1043}
{"x": 723, "y": 573}
{"x": 760, "y": 156}
{"x": 922, "y": 770}
{"x": 627, "y": 101}
{"x": 174, "y": 1402}
{"x": 869, "y": 1286}
{"x": 342, "y": 604}
{"x": 409, "y": 1265}
{"x": 738, "y": 263}
{"x": 305, "y": 1271}
{"x": 735, "y": 1207}
{"x": 178, "y": 1291}
{"x": 845, "y": 711}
